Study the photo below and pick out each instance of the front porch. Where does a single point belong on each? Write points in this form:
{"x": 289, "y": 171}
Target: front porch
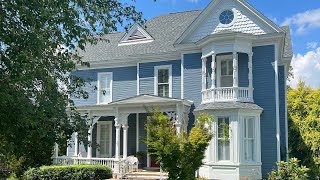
{"x": 108, "y": 145}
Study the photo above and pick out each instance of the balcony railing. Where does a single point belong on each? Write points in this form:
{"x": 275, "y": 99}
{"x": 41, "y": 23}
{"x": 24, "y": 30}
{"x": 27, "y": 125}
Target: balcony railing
{"x": 227, "y": 94}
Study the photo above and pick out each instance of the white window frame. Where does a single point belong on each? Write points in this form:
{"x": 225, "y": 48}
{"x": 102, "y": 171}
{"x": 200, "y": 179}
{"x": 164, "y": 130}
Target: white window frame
{"x": 156, "y": 70}
{"x": 99, "y": 87}
{"x": 217, "y": 139}
{"x": 219, "y": 59}
{"x": 99, "y": 123}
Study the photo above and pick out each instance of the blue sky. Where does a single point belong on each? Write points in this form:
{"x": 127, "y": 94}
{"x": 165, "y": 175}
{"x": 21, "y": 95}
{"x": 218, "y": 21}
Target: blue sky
{"x": 302, "y": 16}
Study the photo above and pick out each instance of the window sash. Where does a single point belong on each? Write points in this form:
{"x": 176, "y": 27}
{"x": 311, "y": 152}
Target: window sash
{"x": 249, "y": 139}
{"x": 105, "y": 87}
{"x": 223, "y": 142}
{"x": 163, "y": 84}
{"x": 226, "y": 73}
{"x": 105, "y": 139}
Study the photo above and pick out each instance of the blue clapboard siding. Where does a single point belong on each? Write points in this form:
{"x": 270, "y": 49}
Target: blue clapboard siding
{"x": 124, "y": 83}
{"x": 146, "y": 75}
{"x": 243, "y": 69}
{"x": 192, "y": 77}
{"x": 132, "y": 134}
{"x": 264, "y": 96}
{"x": 282, "y": 100}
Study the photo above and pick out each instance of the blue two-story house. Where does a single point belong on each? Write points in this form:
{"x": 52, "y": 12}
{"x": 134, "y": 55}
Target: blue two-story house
{"x": 228, "y": 60}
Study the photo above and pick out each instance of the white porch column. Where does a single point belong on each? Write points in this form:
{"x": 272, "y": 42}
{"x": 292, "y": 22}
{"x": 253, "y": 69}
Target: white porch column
{"x": 250, "y": 76}
{"x": 125, "y": 141}
{"x": 76, "y": 144}
{"x": 56, "y": 150}
{"x": 179, "y": 108}
{"x": 204, "y": 71}
{"x": 213, "y": 74}
{"x": 117, "y": 150}
{"x": 235, "y": 75}
{"x": 89, "y": 154}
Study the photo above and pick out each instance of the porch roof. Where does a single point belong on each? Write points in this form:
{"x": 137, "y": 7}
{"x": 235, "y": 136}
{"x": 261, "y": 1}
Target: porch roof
{"x": 146, "y": 99}
{"x": 137, "y": 101}
{"x": 227, "y": 105}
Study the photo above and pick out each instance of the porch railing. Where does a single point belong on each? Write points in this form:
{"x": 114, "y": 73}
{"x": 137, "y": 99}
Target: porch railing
{"x": 226, "y": 94}
{"x": 118, "y": 166}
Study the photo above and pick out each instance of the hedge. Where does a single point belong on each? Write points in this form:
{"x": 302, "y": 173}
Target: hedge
{"x": 72, "y": 172}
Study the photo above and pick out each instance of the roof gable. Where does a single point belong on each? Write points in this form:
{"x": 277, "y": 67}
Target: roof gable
{"x": 246, "y": 20}
{"x": 136, "y": 35}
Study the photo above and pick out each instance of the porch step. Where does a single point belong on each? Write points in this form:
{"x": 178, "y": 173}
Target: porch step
{"x": 147, "y": 174}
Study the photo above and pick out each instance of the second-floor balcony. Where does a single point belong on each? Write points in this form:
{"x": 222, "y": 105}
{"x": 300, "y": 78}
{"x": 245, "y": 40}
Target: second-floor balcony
{"x": 224, "y": 94}
{"x": 220, "y": 78}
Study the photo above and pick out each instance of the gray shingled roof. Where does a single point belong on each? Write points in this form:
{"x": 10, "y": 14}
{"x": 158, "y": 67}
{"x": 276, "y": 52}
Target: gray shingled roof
{"x": 227, "y": 105}
{"x": 165, "y": 29}
{"x": 287, "y": 51}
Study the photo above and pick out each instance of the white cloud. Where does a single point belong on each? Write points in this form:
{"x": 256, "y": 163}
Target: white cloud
{"x": 307, "y": 67}
{"x": 312, "y": 45}
{"x": 303, "y": 22}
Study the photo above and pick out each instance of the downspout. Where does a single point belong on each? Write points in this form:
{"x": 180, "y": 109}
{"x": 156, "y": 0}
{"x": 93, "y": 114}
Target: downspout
{"x": 276, "y": 70}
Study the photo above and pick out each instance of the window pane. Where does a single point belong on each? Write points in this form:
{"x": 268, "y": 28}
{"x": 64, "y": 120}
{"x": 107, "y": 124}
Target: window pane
{"x": 105, "y": 95}
{"x": 226, "y": 81}
{"x": 104, "y": 140}
{"x": 163, "y": 76}
{"x": 230, "y": 67}
{"x": 163, "y": 90}
{"x": 223, "y": 149}
{"x": 223, "y": 139}
{"x": 224, "y": 68}
{"x": 250, "y": 128}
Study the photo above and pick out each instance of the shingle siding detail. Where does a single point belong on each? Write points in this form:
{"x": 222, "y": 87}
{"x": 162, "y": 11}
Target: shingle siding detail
{"x": 264, "y": 96}
{"x": 124, "y": 83}
{"x": 146, "y": 77}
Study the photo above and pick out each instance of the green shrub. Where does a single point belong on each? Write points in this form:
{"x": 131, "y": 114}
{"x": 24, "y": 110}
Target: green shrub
{"x": 73, "y": 172}
{"x": 290, "y": 170}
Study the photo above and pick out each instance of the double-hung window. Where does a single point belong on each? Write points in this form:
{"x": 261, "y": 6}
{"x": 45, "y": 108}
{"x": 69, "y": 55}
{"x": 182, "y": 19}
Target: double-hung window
{"x": 104, "y": 88}
{"x": 163, "y": 81}
{"x": 223, "y": 139}
{"x": 249, "y": 139}
{"x": 225, "y": 73}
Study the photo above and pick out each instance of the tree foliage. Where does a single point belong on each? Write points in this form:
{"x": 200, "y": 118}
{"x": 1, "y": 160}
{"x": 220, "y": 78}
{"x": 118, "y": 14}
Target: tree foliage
{"x": 289, "y": 171}
{"x": 38, "y": 41}
{"x": 304, "y": 125}
{"x": 180, "y": 155}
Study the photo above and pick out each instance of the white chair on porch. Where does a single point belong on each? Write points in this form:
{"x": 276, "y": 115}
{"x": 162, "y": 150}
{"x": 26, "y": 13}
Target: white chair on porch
{"x": 133, "y": 163}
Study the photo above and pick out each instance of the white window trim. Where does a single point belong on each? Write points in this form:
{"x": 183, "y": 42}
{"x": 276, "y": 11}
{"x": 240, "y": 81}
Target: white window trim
{"x": 99, "y": 123}
{"x": 98, "y": 84}
{"x": 219, "y": 59}
{"x": 235, "y": 18}
{"x": 217, "y": 141}
{"x": 156, "y": 69}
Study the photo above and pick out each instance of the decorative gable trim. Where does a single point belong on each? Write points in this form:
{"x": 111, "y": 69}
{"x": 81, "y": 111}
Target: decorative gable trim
{"x": 210, "y": 8}
{"x": 135, "y": 35}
